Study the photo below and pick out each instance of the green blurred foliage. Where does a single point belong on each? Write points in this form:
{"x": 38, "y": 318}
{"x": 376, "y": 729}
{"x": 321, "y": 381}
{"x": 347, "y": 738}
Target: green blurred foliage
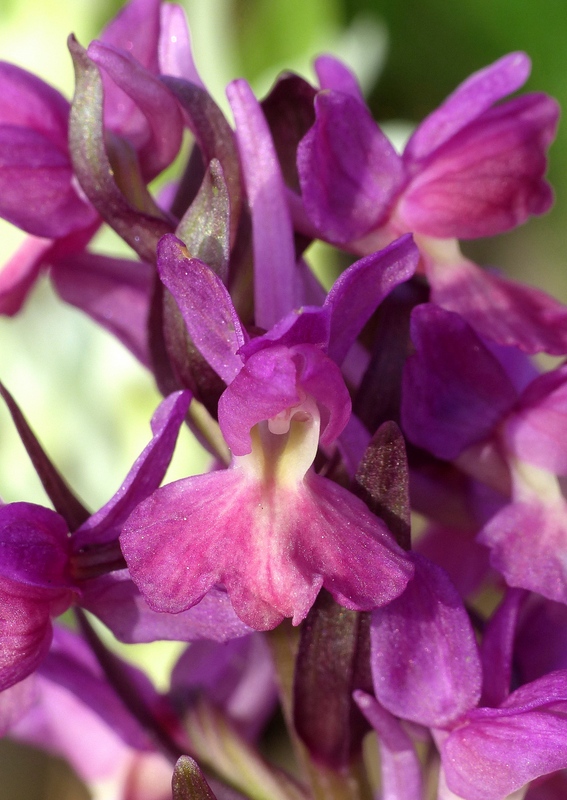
{"x": 273, "y": 31}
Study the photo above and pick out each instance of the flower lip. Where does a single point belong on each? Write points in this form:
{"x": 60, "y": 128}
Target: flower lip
{"x": 272, "y": 383}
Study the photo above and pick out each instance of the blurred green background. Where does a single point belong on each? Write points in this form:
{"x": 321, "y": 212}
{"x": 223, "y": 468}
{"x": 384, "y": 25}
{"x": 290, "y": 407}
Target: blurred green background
{"x": 85, "y": 396}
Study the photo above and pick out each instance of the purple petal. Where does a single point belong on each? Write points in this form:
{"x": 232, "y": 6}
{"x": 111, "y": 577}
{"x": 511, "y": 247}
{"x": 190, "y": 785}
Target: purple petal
{"x": 333, "y": 74}
{"x": 425, "y": 663}
{"x": 25, "y": 627}
{"x": 155, "y": 126}
{"x": 457, "y": 552}
{"x": 79, "y": 717}
{"x": 36, "y": 191}
{"x": 349, "y": 171}
{"x": 467, "y": 102}
{"x": 527, "y": 544}
{"x": 34, "y": 545}
{"x": 489, "y": 178}
{"x": 359, "y": 291}
{"x": 117, "y": 601}
{"x": 28, "y": 102}
{"x": 206, "y": 307}
{"x": 496, "y": 751}
{"x": 114, "y": 292}
{"x": 272, "y": 231}
{"x": 502, "y": 310}
{"x": 400, "y": 767}
{"x": 20, "y": 273}
{"x": 136, "y": 29}
{"x": 541, "y": 639}
{"x": 143, "y": 478}
{"x": 272, "y": 549}
{"x": 450, "y": 402}
{"x": 537, "y": 430}
{"x": 498, "y": 649}
{"x": 175, "y": 51}
{"x": 15, "y": 702}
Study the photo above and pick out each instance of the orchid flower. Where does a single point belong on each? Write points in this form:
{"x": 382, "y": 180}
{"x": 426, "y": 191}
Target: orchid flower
{"x": 45, "y": 569}
{"x": 427, "y": 669}
{"x": 497, "y": 418}
{"x": 269, "y": 529}
{"x": 470, "y": 169}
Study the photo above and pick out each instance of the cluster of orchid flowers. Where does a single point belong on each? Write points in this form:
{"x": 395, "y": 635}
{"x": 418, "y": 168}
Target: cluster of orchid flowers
{"x": 333, "y": 419}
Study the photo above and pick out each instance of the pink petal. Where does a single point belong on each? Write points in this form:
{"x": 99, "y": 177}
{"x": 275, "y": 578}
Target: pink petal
{"x": 272, "y": 231}
{"x": 489, "y": 178}
{"x": 425, "y": 663}
{"x": 349, "y": 171}
{"x": 527, "y": 541}
{"x": 272, "y": 547}
{"x": 499, "y": 309}
{"x": 474, "y": 96}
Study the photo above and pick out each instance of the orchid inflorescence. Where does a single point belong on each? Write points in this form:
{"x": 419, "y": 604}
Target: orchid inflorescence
{"x": 334, "y": 419}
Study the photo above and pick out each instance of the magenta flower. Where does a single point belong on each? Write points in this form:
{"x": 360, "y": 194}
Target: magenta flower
{"x": 427, "y": 668}
{"x": 471, "y": 169}
{"x": 45, "y": 569}
{"x": 494, "y": 405}
{"x": 40, "y": 191}
{"x": 270, "y": 529}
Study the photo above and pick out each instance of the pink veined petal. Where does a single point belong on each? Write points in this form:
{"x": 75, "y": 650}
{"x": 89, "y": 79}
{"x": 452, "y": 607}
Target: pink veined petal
{"x": 272, "y": 231}
{"x": 333, "y": 74}
{"x": 489, "y": 177}
{"x": 425, "y": 662}
{"x": 502, "y": 310}
{"x": 348, "y": 170}
{"x": 175, "y": 51}
{"x": 206, "y": 306}
{"x": 527, "y": 541}
{"x": 25, "y": 627}
{"x": 272, "y": 547}
{"x": 496, "y": 751}
{"x": 474, "y": 96}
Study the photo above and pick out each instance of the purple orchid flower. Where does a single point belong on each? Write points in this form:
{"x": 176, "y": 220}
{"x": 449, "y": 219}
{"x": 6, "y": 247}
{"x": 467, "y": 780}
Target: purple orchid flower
{"x": 427, "y": 669}
{"x": 269, "y": 528}
{"x": 40, "y": 191}
{"x": 45, "y": 570}
{"x": 497, "y": 418}
{"x": 74, "y": 713}
{"x": 471, "y": 169}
